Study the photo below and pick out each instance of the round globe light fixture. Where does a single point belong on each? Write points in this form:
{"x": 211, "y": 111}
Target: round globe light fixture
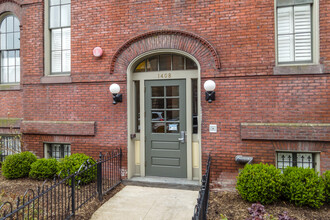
{"x": 115, "y": 89}
{"x": 209, "y": 86}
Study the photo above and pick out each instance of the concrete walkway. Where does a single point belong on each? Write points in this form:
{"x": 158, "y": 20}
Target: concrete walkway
{"x": 142, "y": 203}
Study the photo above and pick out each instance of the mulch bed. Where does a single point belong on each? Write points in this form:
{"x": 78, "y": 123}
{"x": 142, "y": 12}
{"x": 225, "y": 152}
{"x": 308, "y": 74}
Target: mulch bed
{"x": 232, "y": 206}
{"x": 11, "y": 189}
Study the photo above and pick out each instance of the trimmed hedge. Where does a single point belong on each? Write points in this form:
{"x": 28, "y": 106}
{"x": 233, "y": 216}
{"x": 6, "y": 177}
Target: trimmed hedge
{"x": 18, "y": 165}
{"x": 260, "y": 183}
{"x": 326, "y": 177}
{"x": 44, "y": 169}
{"x": 71, "y": 164}
{"x": 303, "y": 186}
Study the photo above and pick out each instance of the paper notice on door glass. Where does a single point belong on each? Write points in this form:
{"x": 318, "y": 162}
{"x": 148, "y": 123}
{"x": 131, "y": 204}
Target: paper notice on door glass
{"x": 173, "y": 127}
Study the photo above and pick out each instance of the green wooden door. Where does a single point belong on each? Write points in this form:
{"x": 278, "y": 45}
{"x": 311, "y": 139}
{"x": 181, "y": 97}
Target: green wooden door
{"x": 166, "y": 151}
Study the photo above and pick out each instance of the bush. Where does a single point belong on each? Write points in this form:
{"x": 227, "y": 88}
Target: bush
{"x": 260, "y": 183}
{"x": 44, "y": 169}
{"x": 71, "y": 164}
{"x": 18, "y": 165}
{"x": 326, "y": 177}
{"x": 303, "y": 186}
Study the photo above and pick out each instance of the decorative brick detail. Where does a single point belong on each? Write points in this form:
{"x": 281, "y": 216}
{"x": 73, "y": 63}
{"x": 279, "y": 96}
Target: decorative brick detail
{"x": 159, "y": 39}
{"x": 80, "y": 128}
{"x": 285, "y": 131}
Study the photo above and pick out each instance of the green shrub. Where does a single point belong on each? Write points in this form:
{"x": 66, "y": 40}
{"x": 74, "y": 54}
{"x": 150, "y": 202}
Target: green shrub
{"x": 43, "y": 169}
{"x": 18, "y": 165}
{"x": 260, "y": 183}
{"x": 71, "y": 164}
{"x": 303, "y": 186}
{"x": 326, "y": 177}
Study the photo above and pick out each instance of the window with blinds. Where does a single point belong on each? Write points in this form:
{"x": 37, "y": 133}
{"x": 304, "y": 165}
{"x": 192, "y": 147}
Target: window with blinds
{"x": 10, "y": 50}
{"x": 294, "y": 31}
{"x": 60, "y": 28}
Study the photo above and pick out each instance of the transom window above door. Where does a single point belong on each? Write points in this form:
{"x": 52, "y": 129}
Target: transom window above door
{"x": 165, "y": 62}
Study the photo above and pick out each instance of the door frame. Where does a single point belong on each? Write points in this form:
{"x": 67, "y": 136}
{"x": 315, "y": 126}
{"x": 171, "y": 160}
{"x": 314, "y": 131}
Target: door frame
{"x": 188, "y": 75}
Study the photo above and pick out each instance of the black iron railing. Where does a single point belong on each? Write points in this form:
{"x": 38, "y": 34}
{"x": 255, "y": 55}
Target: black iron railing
{"x": 63, "y": 197}
{"x": 203, "y": 196}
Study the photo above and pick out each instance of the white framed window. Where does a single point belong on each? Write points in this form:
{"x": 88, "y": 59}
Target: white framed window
{"x": 60, "y": 36}
{"x": 10, "y": 50}
{"x": 57, "y": 150}
{"x": 297, "y": 159}
{"x": 296, "y": 31}
{"x": 9, "y": 145}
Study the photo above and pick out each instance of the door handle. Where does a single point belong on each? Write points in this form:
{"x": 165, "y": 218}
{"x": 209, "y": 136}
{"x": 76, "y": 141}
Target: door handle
{"x": 182, "y": 137}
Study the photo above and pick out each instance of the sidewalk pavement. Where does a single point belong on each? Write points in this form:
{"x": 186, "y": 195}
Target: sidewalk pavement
{"x": 148, "y": 203}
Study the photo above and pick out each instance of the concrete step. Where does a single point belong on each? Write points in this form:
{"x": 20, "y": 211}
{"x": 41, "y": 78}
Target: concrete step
{"x": 163, "y": 182}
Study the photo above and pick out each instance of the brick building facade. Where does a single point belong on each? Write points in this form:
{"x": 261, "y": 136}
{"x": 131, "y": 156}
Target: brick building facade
{"x": 267, "y": 106}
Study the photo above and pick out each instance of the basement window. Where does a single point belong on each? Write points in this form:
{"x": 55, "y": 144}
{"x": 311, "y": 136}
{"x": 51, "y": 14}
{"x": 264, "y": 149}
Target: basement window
{"x": 57, "y": 151}
{"x": 9, "y": 145}
{"x": 296, "y": 159}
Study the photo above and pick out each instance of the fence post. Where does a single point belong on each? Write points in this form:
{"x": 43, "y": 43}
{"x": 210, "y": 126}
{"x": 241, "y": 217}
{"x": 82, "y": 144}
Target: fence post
{"x": 99, "y": 177}
{"x": 73, "y": 183}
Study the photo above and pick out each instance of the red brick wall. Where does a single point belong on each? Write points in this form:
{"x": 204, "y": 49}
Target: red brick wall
{"x": 242, "y": 33}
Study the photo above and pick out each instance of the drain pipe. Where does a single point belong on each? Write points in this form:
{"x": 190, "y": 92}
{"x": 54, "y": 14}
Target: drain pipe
{"x": 243, "y": 159}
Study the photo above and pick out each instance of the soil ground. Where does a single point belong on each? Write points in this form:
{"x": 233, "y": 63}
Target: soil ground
{"x": 11, "y": 189}
{"x": 232, "y": 206}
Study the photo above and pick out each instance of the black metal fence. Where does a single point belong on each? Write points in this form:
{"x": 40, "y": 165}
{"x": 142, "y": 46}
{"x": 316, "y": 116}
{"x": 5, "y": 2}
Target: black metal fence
{"x": 63, "y": 197}
{"x": 203, "y": 196}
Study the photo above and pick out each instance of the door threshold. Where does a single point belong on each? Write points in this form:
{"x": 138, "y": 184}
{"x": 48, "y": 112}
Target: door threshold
{"x": 164, "y": 182}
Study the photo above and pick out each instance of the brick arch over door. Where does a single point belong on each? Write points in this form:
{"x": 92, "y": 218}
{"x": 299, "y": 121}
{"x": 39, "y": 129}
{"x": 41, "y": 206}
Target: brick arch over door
{"x": 191, "y": 43}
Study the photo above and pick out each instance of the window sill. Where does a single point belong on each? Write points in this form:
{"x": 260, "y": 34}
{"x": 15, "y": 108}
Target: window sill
{"x": 10, "y": 87}
{"x": 299, "y": 69}
{"x": 56, "y": 79}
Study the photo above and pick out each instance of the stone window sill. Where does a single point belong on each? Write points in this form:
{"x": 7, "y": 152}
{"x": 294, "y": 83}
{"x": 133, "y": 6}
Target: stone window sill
{"x": 56, "y": 79}
{"x": 299, "y": 69}
{"x": 10, "y": 87}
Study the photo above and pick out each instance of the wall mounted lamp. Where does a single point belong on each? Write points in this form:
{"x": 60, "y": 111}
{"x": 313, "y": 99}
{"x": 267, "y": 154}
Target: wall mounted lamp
{"x": 115, "y": 89}
{"x": 209, "y": 86}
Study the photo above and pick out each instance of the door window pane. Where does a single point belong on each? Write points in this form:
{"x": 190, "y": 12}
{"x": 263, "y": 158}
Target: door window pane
{"x": 172, "y": 103}
{"x": 158, "y": 127}
{"x": 158, "y": 103}
{"x": 178, "y": 62}
{"x": 194, "y": 105}
{"x": 190, "y": 64}
{"x": 152, "y": 64}
{"x": 172, "y": 127}
{"x": 172, "y": 90}
{"x": 141, "y": 67}
{"x": 157, "y": 91}
{"x": 165, "y": 62}
{"x": 157, "y": 116}
{"x": 173, "y": 115}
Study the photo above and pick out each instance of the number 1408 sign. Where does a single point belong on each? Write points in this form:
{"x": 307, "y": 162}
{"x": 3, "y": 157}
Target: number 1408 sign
{"x": 164, "y": 75}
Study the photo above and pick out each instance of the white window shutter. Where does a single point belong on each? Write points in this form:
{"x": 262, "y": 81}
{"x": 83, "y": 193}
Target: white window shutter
{"x": 303, "y": 38}
{"x": 285, "y": 39}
